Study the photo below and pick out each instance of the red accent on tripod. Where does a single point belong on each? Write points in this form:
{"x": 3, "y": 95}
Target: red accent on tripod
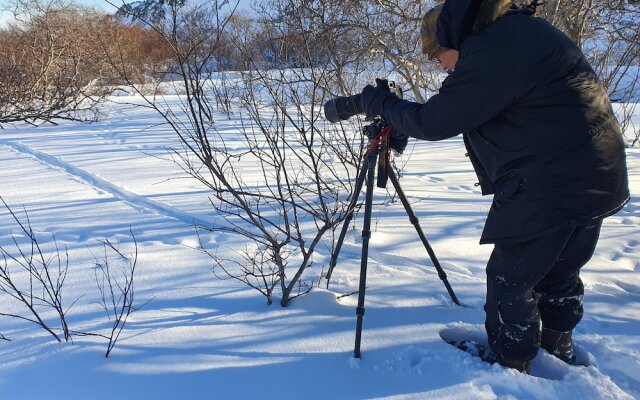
{"x": 382, "y": 142}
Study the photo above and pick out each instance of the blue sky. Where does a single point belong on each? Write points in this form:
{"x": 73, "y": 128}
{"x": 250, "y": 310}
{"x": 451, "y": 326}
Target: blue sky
{"x": 101, "y": 4}
{"x": 104, "y": 5}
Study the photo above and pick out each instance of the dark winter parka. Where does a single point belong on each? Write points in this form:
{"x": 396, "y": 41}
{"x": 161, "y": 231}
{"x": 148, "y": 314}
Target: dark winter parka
{"x": 537, "y": 124}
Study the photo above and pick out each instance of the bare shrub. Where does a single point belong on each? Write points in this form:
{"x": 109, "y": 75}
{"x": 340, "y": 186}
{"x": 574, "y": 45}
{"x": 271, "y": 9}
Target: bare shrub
{"x": 131, "y": 51}
{"x": 47, "y": 64}
{"x": 301, "y": 193}
{"x": 39, "y": 288}
{"x": 35, "y": 279}
{"x": 59, "y": 60}
{"x": 115, "y": 282}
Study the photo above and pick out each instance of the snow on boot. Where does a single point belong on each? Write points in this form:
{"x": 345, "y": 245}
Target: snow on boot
{"x": 485, "y": 354}
{"x": 559, "y": 344}
{"x": 519, "y": 365}
{"x": 476, "y": 350}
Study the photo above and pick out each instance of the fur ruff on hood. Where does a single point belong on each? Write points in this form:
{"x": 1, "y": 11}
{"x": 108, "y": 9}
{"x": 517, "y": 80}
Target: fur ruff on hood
{"x": 460, "y": 18}
{"x": 489, "y": 12}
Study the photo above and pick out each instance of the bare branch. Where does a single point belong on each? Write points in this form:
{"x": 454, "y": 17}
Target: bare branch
{"x": 46, "y": 278}
{"x": 116, "y": 290}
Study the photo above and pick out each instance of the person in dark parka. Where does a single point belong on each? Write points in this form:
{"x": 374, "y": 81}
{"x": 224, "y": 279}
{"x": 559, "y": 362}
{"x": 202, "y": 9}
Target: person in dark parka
{"x": 542, "y": 137}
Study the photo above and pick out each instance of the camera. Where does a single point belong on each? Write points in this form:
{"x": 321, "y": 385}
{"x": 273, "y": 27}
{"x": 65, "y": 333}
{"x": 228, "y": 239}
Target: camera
{"x": 343, "y": 108}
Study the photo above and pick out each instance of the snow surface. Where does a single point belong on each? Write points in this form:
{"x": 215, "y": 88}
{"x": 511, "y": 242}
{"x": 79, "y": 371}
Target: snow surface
{"x": 204, "y": 338}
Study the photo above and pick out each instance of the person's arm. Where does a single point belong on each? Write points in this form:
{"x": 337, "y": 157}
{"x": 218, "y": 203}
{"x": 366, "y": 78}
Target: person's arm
{"x": 483, "y": 84}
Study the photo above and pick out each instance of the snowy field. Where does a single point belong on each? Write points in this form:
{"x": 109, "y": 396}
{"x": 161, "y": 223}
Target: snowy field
{"x": 204, "y": 338}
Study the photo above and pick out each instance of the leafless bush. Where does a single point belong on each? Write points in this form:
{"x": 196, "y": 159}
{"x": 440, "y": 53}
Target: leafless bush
{"x": 39, "y": 289}
{"x": 301, "y": 193}
{"x": 35, "y": 279}
{"x": 306, "y": 170}
{"x": 59, "y": 60}
{"x": 47, "y": 63}
{"x": 115, "y": 282}
{"x": 249, "y": 267}
{"x": 131, "y": 51}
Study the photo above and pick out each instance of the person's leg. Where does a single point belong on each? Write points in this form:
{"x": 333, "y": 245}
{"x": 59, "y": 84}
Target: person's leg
{"x": 560, "y": 293}
{"x": 512, "y": 317}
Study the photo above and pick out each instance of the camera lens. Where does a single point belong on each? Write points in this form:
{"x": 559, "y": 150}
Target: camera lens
{"x": 342, "y": 108}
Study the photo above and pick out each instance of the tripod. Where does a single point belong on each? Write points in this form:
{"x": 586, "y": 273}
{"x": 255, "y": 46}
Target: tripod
{"x": 378, "y": 148}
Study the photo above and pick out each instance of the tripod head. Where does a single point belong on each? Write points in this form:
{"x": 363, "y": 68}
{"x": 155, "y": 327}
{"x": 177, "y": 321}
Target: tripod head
{"x": 374, "y": 127}
{"x": 380, "y": 135}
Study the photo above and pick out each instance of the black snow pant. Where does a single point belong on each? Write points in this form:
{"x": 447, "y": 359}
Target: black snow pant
{"x": 536, "y": 284}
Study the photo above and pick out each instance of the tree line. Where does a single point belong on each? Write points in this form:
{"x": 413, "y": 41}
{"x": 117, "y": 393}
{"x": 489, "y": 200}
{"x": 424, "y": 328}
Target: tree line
{"x": 57, "y": 56}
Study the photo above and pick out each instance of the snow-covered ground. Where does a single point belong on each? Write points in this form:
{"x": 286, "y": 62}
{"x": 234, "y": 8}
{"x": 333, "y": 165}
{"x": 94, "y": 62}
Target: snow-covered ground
{"x": 204, "y": 338}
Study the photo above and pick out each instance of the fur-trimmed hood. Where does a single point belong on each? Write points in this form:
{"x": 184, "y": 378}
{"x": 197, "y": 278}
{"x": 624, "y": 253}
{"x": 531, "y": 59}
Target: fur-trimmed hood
{"x": 490, "y": 11}
{"x": 459, "y": 18}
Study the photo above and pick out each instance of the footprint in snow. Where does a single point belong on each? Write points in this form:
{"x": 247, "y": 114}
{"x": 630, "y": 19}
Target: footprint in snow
{"x": 461, "y": 188}
{"x": 433, "y": 179}
{"x": 615, "y": 256}
{"x": 629, "y": 287}
{"x": 633, "y": 244}
{"x": 631, "y": 247}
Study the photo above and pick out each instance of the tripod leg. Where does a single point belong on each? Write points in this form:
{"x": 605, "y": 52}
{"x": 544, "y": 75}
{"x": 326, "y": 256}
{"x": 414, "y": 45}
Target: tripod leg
{"x": 348, "y": 218}
{"x": 416, "y": 224}
{"x": 366, "y": 235}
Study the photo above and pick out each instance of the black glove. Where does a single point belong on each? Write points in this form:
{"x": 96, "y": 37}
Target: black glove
{"x": 398, "y": 141}
{"x": 383, "y": 84}
{"x": 372, "y": 96}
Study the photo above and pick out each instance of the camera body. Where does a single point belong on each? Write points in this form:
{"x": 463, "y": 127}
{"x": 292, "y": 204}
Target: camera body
{"x": 343, "y": 108}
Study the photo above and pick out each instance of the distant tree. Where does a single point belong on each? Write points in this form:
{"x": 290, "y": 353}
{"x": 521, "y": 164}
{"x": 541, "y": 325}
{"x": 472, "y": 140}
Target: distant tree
{"x": 153, "y": 11}
{"x": 318, "y": 34}
{"x": 355, "y": 40}
{"x": 392, "y": 32}
{"x": 59, "y": 60}
{"x": 132, "y": 51}
{"x": 607, "y": 31}
{"x": 48, "y": 61}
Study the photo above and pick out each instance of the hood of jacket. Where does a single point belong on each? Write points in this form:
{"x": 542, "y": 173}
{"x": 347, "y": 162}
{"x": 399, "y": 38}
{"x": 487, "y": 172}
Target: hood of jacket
{"x": 461, "y": 18}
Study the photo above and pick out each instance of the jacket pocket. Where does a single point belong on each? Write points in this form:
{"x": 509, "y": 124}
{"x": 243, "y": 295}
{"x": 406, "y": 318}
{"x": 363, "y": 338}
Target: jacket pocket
{"x": 484, "y": 180}
{"x": 509, "y": 186}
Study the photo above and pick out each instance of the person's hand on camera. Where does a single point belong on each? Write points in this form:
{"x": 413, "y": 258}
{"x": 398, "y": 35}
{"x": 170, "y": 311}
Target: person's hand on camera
{"x": 372, "y": 97}
{"x": 398, "y": 142}
{"x": 383, "y": 84}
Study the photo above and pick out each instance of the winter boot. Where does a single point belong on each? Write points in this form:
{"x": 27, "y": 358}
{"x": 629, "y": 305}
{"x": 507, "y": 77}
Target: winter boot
{"x": 558, "y": 344}
{"x": 487, "y": 355}
{"x": 519, "y": 365}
